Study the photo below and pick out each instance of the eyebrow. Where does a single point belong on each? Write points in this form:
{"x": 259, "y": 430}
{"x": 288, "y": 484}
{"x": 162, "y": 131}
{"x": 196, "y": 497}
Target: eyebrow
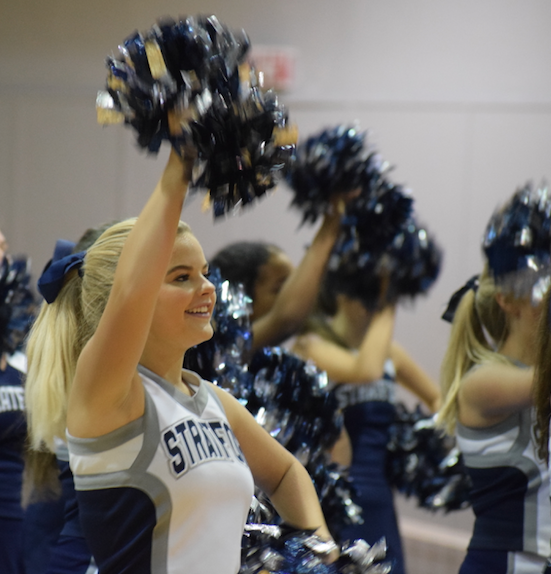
{"x": 184, "y": 268}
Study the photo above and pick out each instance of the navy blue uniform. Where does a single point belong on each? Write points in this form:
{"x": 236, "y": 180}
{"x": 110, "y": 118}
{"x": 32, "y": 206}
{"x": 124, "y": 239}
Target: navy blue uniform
{"x": 510, "y": 497}
{"x": 368, "y": 413}
{"x": 12, "y": 437}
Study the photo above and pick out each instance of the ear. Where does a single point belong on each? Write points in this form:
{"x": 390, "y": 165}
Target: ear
{"x": 508, "y": 304}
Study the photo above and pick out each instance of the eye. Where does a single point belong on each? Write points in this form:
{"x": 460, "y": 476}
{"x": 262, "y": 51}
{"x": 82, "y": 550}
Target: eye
{"x": 182, "y": 278}
{"x": 207, "y": 274}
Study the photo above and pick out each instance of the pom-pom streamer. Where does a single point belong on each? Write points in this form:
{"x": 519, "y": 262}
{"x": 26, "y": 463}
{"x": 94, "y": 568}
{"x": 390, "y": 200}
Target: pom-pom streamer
{"x": 334, "y": 162}
{"x": 517, "y": 243}
{"x": 424, "y": 463}
{"x": 187, "y": 82}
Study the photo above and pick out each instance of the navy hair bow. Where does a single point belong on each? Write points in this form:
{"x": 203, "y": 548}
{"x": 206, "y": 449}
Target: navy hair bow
{"x": 53, "y": 276}
{"x": 455, "y": 299}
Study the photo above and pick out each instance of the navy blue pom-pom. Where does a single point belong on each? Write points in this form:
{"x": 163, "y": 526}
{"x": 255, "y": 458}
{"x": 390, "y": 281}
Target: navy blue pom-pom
{"x": 415, "y": 261}
{"x": 333, "y": 162}
{"x": 284, "y": 550}
{"x": 289, "y": 397}
{"x": 517, "y": 243}
{"x": 360, "y": 257}
{"x": 425, "y": 464}
{"x": 187, "y": 82}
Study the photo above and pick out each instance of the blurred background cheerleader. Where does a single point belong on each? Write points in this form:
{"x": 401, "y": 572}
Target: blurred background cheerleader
{"x": 53, "y": 533}
{"x": 353, "y": 343}
{"x": 487, "y": 379}
{"x": 16, "y": 313}
{"x": 282, "y": 295}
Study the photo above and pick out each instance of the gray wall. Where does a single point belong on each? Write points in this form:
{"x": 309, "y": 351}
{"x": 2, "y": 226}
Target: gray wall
{"x": 457, "y": 95}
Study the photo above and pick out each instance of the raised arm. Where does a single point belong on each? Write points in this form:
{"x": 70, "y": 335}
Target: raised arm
{"x": 106, "y": 393}
{"x": 411, "y": 376}
{"x": 298, "y": 294}
{"x": 365, "y": 365}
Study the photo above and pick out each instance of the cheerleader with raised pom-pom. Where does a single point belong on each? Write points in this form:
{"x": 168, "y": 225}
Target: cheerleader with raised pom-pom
{"x": 487, "y": 381}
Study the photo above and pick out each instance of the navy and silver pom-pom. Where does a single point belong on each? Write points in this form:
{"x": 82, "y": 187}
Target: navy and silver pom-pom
{"x": 283, "y": 550}
{"x": 330, "y": 163}
{"x": 222, "y": 359}
{"x": 187, "y": 82}
{"x": 517, "y": 243}
{"x": 360, "y": 257}
{"x": 425, "y": 464}
{"x": 415, "y": 261}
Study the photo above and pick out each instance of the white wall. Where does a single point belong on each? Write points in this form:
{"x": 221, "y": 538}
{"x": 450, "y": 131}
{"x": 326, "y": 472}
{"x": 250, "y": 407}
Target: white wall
{"x": 456, "y": 94}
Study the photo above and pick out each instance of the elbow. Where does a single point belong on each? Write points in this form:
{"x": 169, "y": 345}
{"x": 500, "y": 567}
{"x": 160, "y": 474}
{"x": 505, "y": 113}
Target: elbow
{"x": 373, "y": 373}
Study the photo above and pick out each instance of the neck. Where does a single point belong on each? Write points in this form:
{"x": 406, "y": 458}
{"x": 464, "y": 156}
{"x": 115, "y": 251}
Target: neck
{"x": 520, "y": 347}
{"x": 165, "y": 364}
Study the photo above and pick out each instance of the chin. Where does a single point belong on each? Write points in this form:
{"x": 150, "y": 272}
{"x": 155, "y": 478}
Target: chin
{"x": 205, "y": 335}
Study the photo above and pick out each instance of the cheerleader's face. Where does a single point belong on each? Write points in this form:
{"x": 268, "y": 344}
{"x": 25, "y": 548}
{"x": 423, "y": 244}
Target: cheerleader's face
{"x": 271, "y": 277}
{"x": 182, "y": 316}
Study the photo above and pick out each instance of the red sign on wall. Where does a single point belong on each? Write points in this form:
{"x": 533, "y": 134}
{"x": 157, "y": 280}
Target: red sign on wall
{"x": 275, "y": 66}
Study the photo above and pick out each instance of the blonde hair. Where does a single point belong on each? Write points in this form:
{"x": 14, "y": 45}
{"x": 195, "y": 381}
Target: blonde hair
{"x": 542, "y": 380}
{"x": 479, "y": 328}
{"x": 61, "y": 331}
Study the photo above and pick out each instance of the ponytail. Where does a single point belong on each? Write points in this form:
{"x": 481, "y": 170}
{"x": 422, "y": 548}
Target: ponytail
{"x": 61, "y": 331}
{"x": 52, "y": 351}
{"x": 478, "y": 330}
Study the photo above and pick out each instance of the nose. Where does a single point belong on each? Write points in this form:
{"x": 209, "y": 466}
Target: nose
{"x": 208, "y": 287}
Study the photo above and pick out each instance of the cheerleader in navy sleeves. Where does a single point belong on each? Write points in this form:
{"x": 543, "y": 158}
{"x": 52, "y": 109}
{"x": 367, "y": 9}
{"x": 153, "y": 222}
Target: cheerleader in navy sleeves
{"x": 16, "y": 314}
{"x": 354, "y": 346}
{"x": 163, "y": 461}
{"x": 12, "y": 439}
{"x": 487, "y": 382}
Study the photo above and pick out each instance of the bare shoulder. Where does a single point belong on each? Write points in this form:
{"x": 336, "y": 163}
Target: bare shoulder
{"x": 490, "y": 374}
{"x": 496, "y": 390}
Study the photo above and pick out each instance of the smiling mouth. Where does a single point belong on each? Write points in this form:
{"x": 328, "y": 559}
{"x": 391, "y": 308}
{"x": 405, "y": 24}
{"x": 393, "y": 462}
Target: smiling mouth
{"x": 205, "y": 310}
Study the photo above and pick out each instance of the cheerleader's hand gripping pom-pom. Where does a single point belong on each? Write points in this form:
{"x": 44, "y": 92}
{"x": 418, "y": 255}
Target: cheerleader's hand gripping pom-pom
{"x": 334, "y": 162}
{"x": 187, "y": 82}
{"x": 517, "y": 243}
{"x": 269, "y": 549}
{"x": 360, "y": 256}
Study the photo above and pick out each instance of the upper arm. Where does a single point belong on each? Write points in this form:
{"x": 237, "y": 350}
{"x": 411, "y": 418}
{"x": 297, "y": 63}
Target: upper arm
{"x": 298, "y": 294}
{"x": 341, "y": 365}
{"x": 106, "y": 379}
{"x": 494, "y": 391}
{"x": 267, "y": 459}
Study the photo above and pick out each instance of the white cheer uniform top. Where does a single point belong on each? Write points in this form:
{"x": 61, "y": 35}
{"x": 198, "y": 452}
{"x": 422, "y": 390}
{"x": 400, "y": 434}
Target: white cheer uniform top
{"x": 168, "y": 493}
